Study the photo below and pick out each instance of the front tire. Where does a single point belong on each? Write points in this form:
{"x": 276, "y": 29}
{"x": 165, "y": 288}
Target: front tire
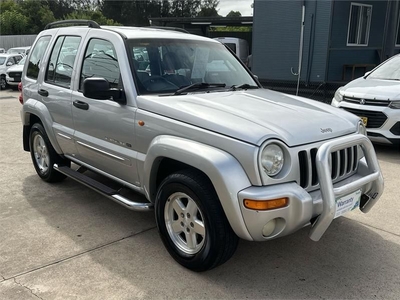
{"x": 192, "y": 223}
{"x": 44, "y": 156}
{"x": 3, "y": 83}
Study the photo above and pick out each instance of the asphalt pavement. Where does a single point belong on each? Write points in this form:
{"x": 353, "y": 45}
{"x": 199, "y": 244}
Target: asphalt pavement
{"x": 65, "y": 241}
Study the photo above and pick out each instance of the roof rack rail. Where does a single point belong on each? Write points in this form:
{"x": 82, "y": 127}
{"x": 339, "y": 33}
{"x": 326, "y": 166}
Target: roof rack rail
{"x": 170, "y": 28}
{"x": 89, "y": 23}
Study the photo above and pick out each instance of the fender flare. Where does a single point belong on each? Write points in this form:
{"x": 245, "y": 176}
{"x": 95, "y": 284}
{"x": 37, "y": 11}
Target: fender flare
{"x": 224, "y": 171}
{"x": 33, "y": 107}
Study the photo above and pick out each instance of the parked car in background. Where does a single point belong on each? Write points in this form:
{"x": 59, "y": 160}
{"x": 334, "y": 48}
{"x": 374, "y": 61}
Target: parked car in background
{"x": 19, "y": 50}
{"x": 239, "y": 46}
{"x": 13, "y": 74}
{"x": 6, "y": 61}
{"x": 375, "y": 98}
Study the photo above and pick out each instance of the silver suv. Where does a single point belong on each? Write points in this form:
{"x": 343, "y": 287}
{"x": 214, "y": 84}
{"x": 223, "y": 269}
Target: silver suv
{"x": 188, "y": 126}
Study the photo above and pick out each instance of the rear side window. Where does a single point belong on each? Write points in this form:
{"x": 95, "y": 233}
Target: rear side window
{"x": 37, "y": 56}
{"x": 62, "y": 59}
{"x": 101, "y": 61}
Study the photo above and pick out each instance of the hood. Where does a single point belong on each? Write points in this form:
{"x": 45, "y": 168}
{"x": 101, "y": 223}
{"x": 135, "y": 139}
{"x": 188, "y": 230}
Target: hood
{"x": 370, "y": 88}
{"x": 255, "y": 115}
{"x": 15, "y": 68}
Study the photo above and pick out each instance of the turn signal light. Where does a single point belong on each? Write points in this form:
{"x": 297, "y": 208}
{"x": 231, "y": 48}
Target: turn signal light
{"x": 266, "y": 204}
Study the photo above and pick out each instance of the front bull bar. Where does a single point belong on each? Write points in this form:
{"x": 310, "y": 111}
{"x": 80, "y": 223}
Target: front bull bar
{"x": 330, "y": 194}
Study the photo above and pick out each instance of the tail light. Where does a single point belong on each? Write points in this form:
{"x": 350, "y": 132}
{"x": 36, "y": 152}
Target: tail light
{"x": 20, "y": 98}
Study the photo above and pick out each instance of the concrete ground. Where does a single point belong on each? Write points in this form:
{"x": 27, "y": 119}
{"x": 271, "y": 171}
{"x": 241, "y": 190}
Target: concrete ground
{"x": 65, "y": 241}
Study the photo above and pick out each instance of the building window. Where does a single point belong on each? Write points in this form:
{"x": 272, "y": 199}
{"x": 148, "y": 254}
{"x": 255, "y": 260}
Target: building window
{"x": 359, "y": 24}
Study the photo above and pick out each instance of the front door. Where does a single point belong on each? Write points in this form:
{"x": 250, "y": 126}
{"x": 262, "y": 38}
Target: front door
{"x": 104, "y": 129}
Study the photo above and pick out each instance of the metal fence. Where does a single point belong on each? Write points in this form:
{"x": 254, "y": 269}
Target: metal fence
{"x": 11, "y": 41}
{"x": 321, "y": 91}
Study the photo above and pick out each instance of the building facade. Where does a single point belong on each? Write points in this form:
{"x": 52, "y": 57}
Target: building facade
{"x": 341, "y": 39}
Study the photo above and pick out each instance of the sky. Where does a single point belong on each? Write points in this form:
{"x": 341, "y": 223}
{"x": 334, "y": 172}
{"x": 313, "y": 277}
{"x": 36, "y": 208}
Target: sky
{"x": 244, "y": 6}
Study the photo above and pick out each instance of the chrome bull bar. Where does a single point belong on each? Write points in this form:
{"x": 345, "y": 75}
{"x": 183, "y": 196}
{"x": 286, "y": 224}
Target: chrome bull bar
{"x": 330, "y": 194}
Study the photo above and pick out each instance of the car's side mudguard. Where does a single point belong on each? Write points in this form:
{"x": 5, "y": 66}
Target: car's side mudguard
{"x": 34, "y": 107}
{"x": 224, "y": 171}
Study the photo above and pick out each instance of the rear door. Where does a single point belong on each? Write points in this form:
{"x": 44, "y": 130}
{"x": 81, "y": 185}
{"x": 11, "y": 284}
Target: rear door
{"x": 55, "y": 89}
{"x": 104, "y": 129}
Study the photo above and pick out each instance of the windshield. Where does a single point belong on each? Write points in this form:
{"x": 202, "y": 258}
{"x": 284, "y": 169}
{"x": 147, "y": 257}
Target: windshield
{"x": 389, "y": 70}
{"x": 165, "y": 66}
{"x": 2, "y": 60}
{"x": 22, "y": 61}
{"x": 15, "y": 50}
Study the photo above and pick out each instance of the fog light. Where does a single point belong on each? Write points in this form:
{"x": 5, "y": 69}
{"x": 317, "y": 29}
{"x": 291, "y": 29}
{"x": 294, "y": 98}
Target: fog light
{"x": 269, "y": 228}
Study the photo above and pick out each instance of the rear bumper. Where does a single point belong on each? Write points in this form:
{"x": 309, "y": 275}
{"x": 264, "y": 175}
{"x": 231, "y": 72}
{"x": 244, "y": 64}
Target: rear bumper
{"x": 318, "y": 206}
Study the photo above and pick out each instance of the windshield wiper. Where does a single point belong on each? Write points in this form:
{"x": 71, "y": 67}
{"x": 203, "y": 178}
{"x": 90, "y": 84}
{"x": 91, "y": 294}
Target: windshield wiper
{"x": 244, "y": 86}
{"x": 197, "y": 86}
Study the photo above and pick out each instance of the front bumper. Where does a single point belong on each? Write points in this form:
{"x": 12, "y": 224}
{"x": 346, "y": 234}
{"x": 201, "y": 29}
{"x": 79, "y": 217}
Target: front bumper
{"x": 319, "y": 206}
{"x": 384, "y": 134}
{"x": 12, "y": 81}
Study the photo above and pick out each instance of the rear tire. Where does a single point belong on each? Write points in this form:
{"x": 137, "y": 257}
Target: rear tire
{"x": 44, "y": 156}
{"x": 192, "y": 223}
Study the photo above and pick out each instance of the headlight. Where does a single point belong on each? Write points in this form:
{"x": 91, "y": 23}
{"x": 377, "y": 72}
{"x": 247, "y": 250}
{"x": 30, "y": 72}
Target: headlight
{"x": 395, "y": 104}
{"x": 338, "y": 96}
{"x": 362, "y": 129}
{"x": 272, "y": 159}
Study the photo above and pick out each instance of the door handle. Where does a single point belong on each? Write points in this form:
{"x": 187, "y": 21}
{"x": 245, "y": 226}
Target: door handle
{"x": 43, "y": 92}
{"x": 81, "y": 105}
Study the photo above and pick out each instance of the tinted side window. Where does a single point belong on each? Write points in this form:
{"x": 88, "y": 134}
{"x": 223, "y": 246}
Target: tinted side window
{"x": 62, "y": 59}
{"x": 37, "y": 56}
{"x": 101, "y": 61}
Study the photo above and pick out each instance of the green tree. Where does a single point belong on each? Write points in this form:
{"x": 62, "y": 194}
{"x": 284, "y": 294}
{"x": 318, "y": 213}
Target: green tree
{"x": 135, "y": 13}
{"x": 13, "y": 22}
{"x": 38, "y": 14}
{"x": 209, "y": 8}
{"x": 185, "y": 8}
{"x": 96, "y": 16}
{"x": 234, "y": 14}
{"x": 60, "y": 8}
{"x": 8, "y": 5}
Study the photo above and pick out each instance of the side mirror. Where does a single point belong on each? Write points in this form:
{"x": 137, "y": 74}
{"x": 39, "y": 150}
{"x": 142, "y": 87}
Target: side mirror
{"x": 367, "y": 73}
{"x": 99, "y": 88}
{"x": 9, "y": 64}
{"x": 255, "y": 76}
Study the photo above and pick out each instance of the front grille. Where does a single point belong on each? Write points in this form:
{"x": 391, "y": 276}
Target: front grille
{"x": 342, "y": 163}
{"x": 375, "y": 118}
{"x": 372, "y": 102}
{"x": 15, "y": 74}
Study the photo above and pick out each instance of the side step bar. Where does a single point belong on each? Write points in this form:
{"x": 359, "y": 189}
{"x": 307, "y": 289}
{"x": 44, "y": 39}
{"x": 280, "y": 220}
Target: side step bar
{"x": 103, "y": 189}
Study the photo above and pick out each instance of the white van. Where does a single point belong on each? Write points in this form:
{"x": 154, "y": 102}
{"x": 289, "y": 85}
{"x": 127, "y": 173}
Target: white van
{"x": 239, "y": 46}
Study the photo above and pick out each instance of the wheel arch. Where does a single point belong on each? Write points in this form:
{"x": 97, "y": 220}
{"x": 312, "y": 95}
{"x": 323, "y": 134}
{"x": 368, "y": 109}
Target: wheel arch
{"x": 30, "y": 119}
{"x": 167, "y": 154}
{"x": 36, "y": 112}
